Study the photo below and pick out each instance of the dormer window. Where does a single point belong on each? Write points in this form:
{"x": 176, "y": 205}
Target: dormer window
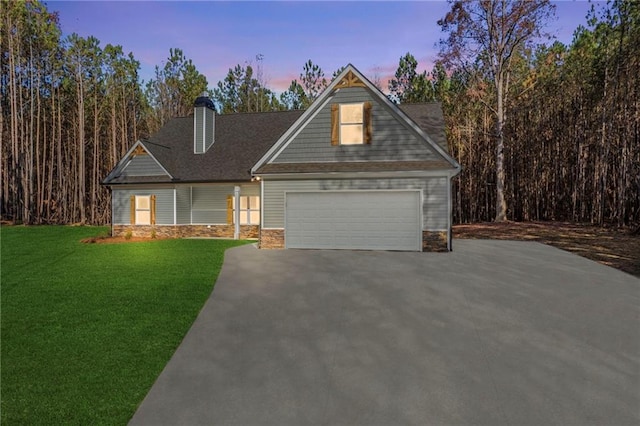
{"x": 351, "y": 123}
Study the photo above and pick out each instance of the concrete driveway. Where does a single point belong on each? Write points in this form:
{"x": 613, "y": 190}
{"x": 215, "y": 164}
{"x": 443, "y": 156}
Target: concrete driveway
{"x": 495, "y": 332}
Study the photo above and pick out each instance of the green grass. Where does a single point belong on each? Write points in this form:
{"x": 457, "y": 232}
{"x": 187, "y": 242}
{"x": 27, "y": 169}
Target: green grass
{"x": 87, "y": 328}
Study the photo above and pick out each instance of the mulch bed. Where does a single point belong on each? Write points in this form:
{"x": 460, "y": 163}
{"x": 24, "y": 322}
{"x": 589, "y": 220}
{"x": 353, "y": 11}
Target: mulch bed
{"x": 116, "y": 240}
{"x": 618, "y": 248}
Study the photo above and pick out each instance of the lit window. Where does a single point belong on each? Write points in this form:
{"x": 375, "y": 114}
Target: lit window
{"x": 143, "y": 210}
{"x": 249, "y": 210}
{"x": 351, "y": 124}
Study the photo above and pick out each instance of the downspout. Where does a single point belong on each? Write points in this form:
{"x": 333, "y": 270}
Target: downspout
{"x": 236, "y": 209}
{"x": 111, "y": 197}
{"x": 449, "y": 216}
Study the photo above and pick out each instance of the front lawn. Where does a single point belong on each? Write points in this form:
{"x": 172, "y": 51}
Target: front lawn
{"x": 87, "y": 328}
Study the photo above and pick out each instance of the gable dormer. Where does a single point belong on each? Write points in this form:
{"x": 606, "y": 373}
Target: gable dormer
{"x": 352, "y": 122}
{"x": 204, "y": 120}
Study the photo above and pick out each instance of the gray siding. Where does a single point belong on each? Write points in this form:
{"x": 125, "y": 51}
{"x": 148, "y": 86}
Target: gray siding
{"x": 200, "y": 205}
{"x": 391, "y": 140}
{"x": 252, "y": 189}
{"x": 204, "y": 119}
{"x": 198, "y": 129}
{"x": 209, "y": 203}
{"x": 143, "y": 165}
{"x": 434, "y": 194}
{"x": 183, "y": 205}
{"x": 121, "y": 212}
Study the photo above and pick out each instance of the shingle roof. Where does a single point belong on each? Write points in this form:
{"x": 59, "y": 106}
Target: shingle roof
{"x": 242, "y": 139}
{"x": 428, "y": 116}
{"x": 360, "y": 166}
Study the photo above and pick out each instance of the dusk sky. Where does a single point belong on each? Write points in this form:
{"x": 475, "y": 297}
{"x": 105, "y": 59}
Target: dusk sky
{"x": 218, "y": 35}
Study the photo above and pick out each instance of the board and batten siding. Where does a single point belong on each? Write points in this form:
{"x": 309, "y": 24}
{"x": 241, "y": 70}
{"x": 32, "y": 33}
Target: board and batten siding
{"x": 391, "y": 139}
{"x": 434, "y": 196}
{"x": 143, "y": 165}
{"x": 121, "y": 208}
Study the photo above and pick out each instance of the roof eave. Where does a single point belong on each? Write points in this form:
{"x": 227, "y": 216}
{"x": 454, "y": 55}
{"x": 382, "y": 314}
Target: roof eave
{"x": 356, "y": 175}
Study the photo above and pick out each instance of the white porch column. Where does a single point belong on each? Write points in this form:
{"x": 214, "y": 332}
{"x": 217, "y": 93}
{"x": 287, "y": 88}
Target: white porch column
{"x": 236, "y": 208}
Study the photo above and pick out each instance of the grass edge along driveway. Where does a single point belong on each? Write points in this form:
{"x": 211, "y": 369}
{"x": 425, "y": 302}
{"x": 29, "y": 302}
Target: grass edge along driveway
{"x": 87, "y": 328}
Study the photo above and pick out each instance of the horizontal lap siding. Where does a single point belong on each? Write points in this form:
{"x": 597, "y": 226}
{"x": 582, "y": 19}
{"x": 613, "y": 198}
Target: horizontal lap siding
{"x": 251, "y": 190}
{"x": 435, "y": 204}
{"x": 209, "y": 203}
{"x": 121, "y": 213}
{"x": 183, "y": 205}
{"x": 143, "y": 165}
{"x": 391, "y": 139}
{"x": 434, "y": 195}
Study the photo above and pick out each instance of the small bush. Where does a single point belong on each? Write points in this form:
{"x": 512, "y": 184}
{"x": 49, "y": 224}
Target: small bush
{"x": 153, "y": 234}
{"x": 128, "y": 235}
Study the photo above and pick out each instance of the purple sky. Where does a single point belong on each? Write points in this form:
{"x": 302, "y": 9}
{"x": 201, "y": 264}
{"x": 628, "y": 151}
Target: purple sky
{"x": 218, "y": 35}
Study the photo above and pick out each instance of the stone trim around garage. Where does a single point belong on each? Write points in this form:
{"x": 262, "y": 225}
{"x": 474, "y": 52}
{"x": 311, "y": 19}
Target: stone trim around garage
{"x": 434, "y": 241}
{"x": 272, "y": 238}
{"x": 247, "y": 232}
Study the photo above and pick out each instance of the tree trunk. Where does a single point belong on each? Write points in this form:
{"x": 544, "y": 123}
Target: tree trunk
{"x": 501, "y": 207}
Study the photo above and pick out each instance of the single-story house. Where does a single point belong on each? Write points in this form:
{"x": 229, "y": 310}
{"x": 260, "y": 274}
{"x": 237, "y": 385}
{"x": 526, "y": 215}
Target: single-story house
{"x": 353, "y": 171}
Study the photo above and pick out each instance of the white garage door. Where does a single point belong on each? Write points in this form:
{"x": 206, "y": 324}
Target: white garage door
{"x": 370, "y": 220}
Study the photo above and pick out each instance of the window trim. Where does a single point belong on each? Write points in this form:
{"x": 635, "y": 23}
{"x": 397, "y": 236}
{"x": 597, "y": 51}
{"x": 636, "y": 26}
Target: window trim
{"x": 337, "y": 124}
{"x": 135, "y": 209}
{"x": 351, "y": 124}
{"x": 248, "y": 210}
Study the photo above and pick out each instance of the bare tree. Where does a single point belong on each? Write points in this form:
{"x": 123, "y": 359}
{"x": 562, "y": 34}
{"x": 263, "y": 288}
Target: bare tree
{"x": 490, "y": 32}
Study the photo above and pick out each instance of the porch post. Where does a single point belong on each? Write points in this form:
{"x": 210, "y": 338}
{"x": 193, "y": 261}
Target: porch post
{"x": 236, "y": 208}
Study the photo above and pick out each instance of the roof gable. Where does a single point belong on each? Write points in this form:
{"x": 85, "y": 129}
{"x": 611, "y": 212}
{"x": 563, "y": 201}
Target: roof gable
{"x": 392, "y": 139}
{"x": 138, "y": 164}
{"x": 350, "y": 81}
{"x": 241, "y": 139}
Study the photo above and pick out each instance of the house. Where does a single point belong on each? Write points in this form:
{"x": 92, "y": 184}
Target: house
{"x": 353, "y": 171}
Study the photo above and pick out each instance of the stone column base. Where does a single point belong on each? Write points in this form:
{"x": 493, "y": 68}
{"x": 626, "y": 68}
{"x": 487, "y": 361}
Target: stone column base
{"x": 272, "y": 238}
{"x": 434, "y": 241}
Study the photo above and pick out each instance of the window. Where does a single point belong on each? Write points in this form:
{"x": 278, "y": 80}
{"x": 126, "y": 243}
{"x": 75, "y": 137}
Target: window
{"x": 351, "y": 124}
{"x": 249, "y": 210}
{"x": 143, "y": 209}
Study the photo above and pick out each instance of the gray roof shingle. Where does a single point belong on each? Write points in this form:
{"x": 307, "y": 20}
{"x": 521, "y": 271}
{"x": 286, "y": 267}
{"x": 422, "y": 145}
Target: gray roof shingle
{"x": 242, "y": 139}
{"x": 359, "y": 166}
{"x": 428, "y": 116}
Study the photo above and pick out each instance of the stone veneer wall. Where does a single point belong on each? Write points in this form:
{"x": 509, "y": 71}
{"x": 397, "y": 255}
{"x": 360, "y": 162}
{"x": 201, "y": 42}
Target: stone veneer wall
{"x": 431, "y": 240}
{"x": 434, "y": 241}
{"x": 272, "y": 238}
{"x": 184, "y": 231}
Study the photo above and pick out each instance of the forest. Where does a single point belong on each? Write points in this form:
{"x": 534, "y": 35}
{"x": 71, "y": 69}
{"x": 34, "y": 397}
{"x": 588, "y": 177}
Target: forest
{"x": 543, "y": 131}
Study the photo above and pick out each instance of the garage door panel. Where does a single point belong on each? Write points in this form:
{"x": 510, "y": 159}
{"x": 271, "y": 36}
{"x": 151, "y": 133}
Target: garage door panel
{"x": 383, "y": 220}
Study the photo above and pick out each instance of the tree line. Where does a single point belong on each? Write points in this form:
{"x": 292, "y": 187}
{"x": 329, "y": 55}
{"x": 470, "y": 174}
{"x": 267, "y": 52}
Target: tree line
{"x": 568, "y": 135}
{"x": 543, "y": 132}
